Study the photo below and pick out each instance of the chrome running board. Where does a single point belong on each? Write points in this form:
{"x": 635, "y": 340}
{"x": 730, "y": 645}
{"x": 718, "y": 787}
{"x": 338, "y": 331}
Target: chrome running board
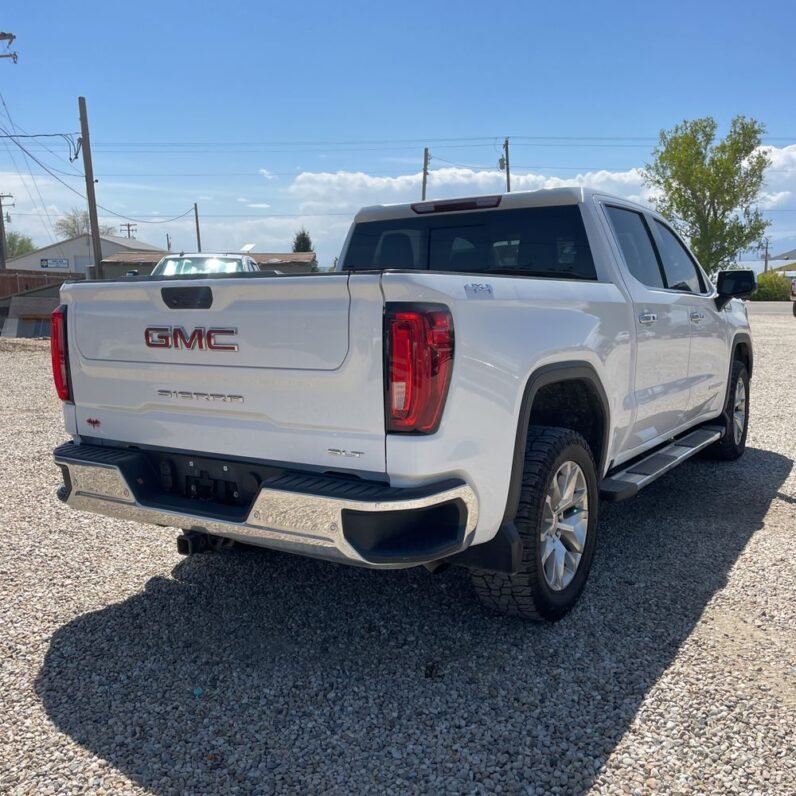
{"x": 625, "y": 483}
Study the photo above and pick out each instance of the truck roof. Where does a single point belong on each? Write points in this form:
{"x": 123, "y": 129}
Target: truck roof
{"x": 516, "y": 199}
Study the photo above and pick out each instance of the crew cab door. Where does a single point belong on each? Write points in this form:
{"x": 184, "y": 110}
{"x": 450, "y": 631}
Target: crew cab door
{"x": 663, "y": 331}
{"x": 708, "y": 364}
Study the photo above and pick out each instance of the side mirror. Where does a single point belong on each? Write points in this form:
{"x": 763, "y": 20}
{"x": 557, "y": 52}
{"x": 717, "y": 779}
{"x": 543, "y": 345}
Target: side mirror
{"x": 132, "y": 273}
{"x": 734, "y": 284}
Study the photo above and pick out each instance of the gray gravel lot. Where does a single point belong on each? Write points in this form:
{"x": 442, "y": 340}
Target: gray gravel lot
{"x": 127, "y": 669}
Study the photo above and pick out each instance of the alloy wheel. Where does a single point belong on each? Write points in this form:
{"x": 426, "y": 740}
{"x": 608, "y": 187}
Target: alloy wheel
{"x": 565, "y": 523}
{"x": 739, "y": 411}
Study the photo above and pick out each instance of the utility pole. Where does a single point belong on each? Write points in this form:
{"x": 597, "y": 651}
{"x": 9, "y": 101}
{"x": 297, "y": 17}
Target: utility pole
{"x": 129, "y": 227}
{"x": 196, "y": 218}
{"x": 426, "y": 159}
{"x": 3, "y": 231}
{"x": 9, "y": 37}
{"x": 765, "y": 262}
{"x": 504, "y": 164}
{"x": 88, "y": 167}
{"x": 168, "y": 242}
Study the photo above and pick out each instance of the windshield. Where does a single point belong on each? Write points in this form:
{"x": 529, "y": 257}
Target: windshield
{"x": 534, "y": 241}
{"x": 197, "y": 264}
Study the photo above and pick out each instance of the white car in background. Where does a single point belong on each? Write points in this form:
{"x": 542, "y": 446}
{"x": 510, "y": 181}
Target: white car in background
{"x": 205, "y": 264}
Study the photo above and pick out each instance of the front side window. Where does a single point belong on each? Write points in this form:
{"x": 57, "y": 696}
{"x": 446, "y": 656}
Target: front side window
{"x": 681, "y": 271}
{"x": 535, "y": 241}
{"x": 634, "y": 240}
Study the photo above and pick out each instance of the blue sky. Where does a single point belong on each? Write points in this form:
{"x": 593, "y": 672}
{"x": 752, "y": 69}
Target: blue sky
{"x": 303, "y": 112}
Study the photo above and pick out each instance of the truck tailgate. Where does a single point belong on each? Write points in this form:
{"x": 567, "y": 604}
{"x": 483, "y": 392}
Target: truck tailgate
{"x": 280, "y": 369}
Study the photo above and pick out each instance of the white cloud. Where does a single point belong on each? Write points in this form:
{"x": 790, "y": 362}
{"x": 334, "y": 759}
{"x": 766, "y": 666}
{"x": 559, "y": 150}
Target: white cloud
{"x": 312, "y": 196}
{"x": 345, "y": 190}
{"x": 770, "y": 199}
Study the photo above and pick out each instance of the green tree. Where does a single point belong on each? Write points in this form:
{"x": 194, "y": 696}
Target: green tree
{"x": 76, "y": 222}
{"x": 17, "y": 245}
{"x": 302, "y": 242}
{"x": 772, "y": 286}
{"x": 709, "y": 189}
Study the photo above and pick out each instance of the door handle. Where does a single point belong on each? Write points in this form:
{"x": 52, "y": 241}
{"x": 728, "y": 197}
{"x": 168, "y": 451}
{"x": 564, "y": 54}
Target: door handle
{"x": 697, "y": 317}
{"x": 647, "y": 318}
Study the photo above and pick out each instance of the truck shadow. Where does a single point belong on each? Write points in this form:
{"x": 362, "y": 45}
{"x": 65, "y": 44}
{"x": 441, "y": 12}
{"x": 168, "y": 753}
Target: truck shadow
{"x": 268, "y": 672}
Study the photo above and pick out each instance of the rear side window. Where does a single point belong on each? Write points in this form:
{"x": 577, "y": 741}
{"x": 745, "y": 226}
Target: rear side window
{"x": 538, "y": 241}
{"x": 634, "y": 240}
{"x": 681, "y": 271}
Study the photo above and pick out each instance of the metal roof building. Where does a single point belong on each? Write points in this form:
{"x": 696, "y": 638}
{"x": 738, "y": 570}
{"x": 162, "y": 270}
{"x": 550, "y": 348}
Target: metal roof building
{"x": 75, "y": 254}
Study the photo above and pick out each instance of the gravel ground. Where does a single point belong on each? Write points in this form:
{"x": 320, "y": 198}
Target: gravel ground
{"x": 127, "y": 669}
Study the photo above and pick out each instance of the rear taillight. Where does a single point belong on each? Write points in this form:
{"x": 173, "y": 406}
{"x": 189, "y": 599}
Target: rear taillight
{"x": 58, "y": 352}
{"x": 418, "y": 367}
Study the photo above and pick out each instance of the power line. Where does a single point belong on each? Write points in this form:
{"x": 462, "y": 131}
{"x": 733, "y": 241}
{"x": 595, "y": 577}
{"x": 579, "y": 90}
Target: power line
{"x": 155, "y": 220}
{"x": 387, "y": 141}
{"x": 48, "y": 225}
{"x": 37, "y": 135}
{"x": 76, "y": 192}
{"x": 296, "y": 173}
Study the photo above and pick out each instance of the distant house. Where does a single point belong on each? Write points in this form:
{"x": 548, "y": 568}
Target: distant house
{"x": 121, "y": 263}
{"x": 290, "y": 263}
{"x": 75, "y": 255}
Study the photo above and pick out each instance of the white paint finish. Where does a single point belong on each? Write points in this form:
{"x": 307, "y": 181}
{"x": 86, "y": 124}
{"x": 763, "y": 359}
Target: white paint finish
{"x": 288, "y": 415}
{"x": 285, "y": 323}
{"x": 663, "y": 348}
{"x": 306, "y": 392}
{"x": 711, "y": 336}
{"x": 500, "y": 342}
{"x": 70, "y": 420}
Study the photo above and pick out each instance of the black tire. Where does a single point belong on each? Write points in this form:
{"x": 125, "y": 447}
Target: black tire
{"x": 793, "y": 304}
{"x": 527, "y": 593}
{"x": 728, "y": 448}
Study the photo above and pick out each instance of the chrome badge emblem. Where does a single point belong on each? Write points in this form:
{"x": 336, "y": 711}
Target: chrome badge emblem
{"x": 183, "y": 395}
{"x": 200, "y": 339}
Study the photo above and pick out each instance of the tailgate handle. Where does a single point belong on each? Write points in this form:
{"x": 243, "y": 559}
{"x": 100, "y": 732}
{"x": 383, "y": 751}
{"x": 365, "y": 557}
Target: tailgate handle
{"x": 187, "y": 298}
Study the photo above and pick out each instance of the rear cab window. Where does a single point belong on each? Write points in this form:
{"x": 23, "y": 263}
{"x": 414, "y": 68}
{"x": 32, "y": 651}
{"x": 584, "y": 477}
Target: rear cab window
{"x": 535, "y": 241}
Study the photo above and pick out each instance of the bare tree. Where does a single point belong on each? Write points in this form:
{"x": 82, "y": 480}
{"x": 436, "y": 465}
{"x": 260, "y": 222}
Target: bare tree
{"x": 76, "y": 222}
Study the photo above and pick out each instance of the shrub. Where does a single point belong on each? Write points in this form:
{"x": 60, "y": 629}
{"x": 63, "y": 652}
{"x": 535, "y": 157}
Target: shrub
{"x": 772, "y": 287}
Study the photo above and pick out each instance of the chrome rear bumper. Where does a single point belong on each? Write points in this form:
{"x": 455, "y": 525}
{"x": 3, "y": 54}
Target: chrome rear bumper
{"x": 358, "y": 522}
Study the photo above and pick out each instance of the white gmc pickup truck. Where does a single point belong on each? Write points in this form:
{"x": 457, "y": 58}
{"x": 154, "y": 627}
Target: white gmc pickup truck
{"x": 476, "y": 376}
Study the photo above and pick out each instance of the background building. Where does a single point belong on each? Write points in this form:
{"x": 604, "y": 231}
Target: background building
{"x": 75, "y": 254}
